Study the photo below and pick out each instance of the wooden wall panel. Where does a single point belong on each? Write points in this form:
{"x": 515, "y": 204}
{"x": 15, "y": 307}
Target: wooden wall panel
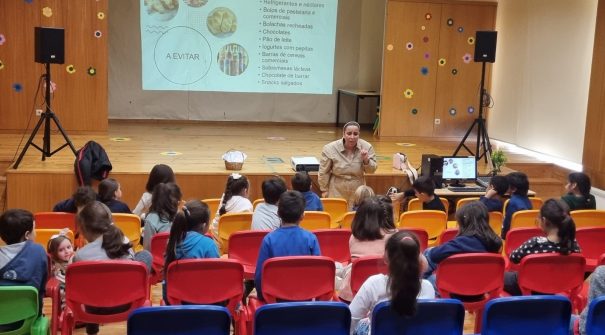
{"x": 80, "y": 100}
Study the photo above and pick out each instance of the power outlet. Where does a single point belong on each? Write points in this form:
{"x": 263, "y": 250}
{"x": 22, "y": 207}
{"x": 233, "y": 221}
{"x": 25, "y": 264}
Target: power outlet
{"x": 39, "y": 112}
{"x": 437, "y": 121}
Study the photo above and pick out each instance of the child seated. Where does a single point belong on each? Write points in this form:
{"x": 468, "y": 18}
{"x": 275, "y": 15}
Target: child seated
{"x": 234, "y": 200}
{"x": 160, "y": 173}
{"x": 164, "y": 205}
{"x": 361, "y": 193}
{"x": 578, "y": 192}
{"x": 61, "y": 252}
{"x": 494, "y": 194}
{"x": 301, "y": 182}
{"x": 424, "y": 189}
{"x": 518, "y": 186}
{"x": 82, "y": 196}
{"x": 265, "y": 214}
{"x": 110, "y": 194}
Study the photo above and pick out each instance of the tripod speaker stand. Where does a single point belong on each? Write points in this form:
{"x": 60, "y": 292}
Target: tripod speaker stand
{"x": 47, "y": 39}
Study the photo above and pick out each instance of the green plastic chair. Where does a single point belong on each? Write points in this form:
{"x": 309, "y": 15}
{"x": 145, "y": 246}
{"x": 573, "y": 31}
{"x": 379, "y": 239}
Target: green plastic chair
{"x": 19, "y": 303}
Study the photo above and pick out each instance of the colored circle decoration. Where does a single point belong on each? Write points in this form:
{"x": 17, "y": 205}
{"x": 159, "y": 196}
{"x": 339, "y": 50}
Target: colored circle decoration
{"x": 2, "y": 39}
{"x": 450, "y": 22}
{"x": 1, "y": 65}
{"x": 409, "y": 45}
{"x": 390, "y": 47}
{"x": 454, "y": 71}
{"x": 47, "y": 11}
{"x": 442, "y": 62}
{"x": 91, "y": 71}
{"x": 423, "y": 28}
{"x": 425, "y": 39}
{"x": 98, "y": 34}
{"x": 100, "y": 15}
{"x": 408, "y": 93}
{"x": 29, "y": 1}
{"x": 453, "y": 111}
{"x": 427, "y": 55}
{"x": 424, "y": 70}
{"x": 467, "y": 58}
{"x": 471, "y": 40}
{"x": 70, "y": 69}
{"x": 428, "y": 16}
{"x": 460, "y": 29}
{"x": 414, "y": 111}
{"x": 470, "y": 109}
{"x": 17, "y": 87}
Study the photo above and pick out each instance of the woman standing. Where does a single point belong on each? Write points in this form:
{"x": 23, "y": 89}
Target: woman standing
{"x": 344, "y": 163}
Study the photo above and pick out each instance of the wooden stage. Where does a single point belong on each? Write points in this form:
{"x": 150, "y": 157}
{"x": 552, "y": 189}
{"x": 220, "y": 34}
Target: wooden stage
{"x": 194, "y": 152}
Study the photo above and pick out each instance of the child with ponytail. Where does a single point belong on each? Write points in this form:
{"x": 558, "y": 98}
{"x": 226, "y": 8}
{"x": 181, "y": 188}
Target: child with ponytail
{"x": 560, "y": 238}
{"x": 578, "y": 192}
{"x": 234, "y": 200}
{"x": 402, "y": 286}
{"x": 164, "y": 205}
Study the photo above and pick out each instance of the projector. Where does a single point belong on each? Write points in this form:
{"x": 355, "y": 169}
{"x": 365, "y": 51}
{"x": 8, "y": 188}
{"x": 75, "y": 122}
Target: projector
{"x": 304, "y": 164}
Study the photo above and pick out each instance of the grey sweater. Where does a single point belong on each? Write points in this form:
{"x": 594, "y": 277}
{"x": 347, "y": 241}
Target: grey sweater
{"x": 597, "y": 289}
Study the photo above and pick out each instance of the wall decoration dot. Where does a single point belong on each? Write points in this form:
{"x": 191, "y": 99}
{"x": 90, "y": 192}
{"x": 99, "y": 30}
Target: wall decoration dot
{"x": 409, "y": 45}
{"x": 17, "y": 87}
{"x": 119, "y": 139}
{"x": 460, "y": 29}
{"x": 453, "y": 111}
{"x": 100, "y": 15}
{"x": 91, "y": 71}
{"x": 1, "y": 65}
{"x": 467, "y": 58}
{"x": 98, "y": 34}
{"x": 454, "y": 71}
{"x": 70, "y": 69}
{"x": 470, "y": 109}
{"x": 424, "y": 70}
{"x": 471, "y": 40}
{"x": 428, "y": 16}
{"x": 390, "y": 47}
{"x": 171, "y": 153}
{"x": 423, "y": 28}
{"x": 47, "y": 11}
{"x": 442, "y": 62}
{"x": 414, "y": 111}
{"x": 450, "y": 22}
{"x": 29, "y": 1}
{"x": 427, "y": 55}
{"x": 2, "y": 39}
{"x": 408, "y": 93}
{"x": 425, "y": 39}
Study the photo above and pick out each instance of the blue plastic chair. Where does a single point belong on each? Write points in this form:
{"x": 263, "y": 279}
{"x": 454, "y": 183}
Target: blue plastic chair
{"x": 595, "y": 320}
{"x": 433, "y": 316}
{"x": 301, "y": 318}
{"x": 527, "y": 315}
{"x": 180, "y": 320}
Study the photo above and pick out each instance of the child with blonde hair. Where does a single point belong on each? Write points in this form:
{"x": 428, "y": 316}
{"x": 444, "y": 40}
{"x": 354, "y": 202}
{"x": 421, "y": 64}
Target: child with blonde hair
{"x": 361, "y": 193}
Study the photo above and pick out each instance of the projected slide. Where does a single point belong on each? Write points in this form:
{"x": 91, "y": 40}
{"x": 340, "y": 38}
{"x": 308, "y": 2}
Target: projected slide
{"x": 273, "y": 46}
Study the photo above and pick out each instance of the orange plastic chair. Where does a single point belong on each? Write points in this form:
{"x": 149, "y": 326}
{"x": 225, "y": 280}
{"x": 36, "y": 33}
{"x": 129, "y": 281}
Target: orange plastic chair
{"x": 416, "y": 205}
{"x": 458, "y": 275}
{"x": 588, "y": 218}
{"x": 55, "y": 220}
{"x": 464, "y": 201}
{"x": 205, "y": 282}
{"x": 229, "y": 223}
{"x": 334, "y": 243}
{"x": 130, "y": 225}
{"x": 212, "y": 206}
{"x": 256, "y": 202}
{"x": 43, "y": 236}
{"x": 159, "y": 242}
{"x": 337, "y": 207}
{"x": 524, "y": 219}
{"x": 364, "y": 267}
{"x": 434, "y": 222}
{"x": 591, "y": 241}
{"x": 421, "y": 234}
{"x": 119, "y": 284}
{"x": 316, "y": 220}
{"x": 244, "y": 247}
{"x": 554, "y": 274}
{"x": 347, "y": 220}
{"x": 448, "y": 235}
{"x": 495, "y": 222}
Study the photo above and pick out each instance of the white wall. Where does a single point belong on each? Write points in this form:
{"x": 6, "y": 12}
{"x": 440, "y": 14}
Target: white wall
{"x": 541, "y": 76}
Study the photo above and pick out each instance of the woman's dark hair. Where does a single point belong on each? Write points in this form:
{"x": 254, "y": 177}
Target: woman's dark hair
{"x": 556, "y": 214}
{"x": 371, "y": 220}
{"x": 194, "y": 216}
{"x": 236, "y": 183}
{"x": 473, "y": 220}
{"x": 107, "y": 189}
{"x": 582, "y": 182}
{"x": 402, "y": 251}
{"x": 165, "y": 200}
{"x": 160, "y": 173}
{"x": 95, "y": 220}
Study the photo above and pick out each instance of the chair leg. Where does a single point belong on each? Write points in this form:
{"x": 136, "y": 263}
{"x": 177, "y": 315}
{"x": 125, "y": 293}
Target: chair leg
{"x": 478, "y": 320}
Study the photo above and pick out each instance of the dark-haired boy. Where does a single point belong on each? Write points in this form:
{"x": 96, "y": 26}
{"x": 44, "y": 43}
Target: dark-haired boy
{"x": 301, "y": 182}
{"x": 424, "y": 189}
{"x": 289, "y": 239}
{"x": 518, "y": 186}
{"x": 494, "y": 194}
{"x": 81, "y": 197}
{"x": 265, "y": 214}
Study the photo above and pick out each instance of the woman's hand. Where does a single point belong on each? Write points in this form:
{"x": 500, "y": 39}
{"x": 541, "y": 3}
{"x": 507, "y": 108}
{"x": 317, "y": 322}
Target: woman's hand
{"x": 364, "y": 156}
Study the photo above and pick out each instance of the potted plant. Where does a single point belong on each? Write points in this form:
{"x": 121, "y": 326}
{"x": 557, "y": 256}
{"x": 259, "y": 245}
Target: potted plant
{"x": 498, "y": 160}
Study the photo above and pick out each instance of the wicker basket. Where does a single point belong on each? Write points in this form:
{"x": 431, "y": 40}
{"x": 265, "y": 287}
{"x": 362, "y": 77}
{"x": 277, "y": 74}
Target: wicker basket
{"x": 236, "y": 166}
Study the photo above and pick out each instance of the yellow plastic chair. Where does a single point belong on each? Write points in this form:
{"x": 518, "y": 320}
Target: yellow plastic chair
{"x": 212, "y": 206}
{"x": 337, "y": 207}
{"x": 536, "y": 203}
{"x": 130, "y": 225}
{"x": 416, "y": 205}
{"x": 20, "y": 303}
{"x": 524, "y": 219}
{"x": 316, "y": 220}
{"x": 588, "y": 218}
{"x": 347, "y": 220}
{"x": 43, "y": 236}
{"x": 434, "y": 222}
{"x": 256, "y": 202}
{"x": 230, "y": 223}
{"x": 465, "y": 201}
{"x": 495, "y": 221}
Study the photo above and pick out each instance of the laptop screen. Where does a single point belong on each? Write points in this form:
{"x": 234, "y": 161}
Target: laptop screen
{"x": 461, "y": 168}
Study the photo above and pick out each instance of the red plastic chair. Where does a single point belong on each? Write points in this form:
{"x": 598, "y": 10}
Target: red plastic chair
{"x": 158, "y": 251}
{"x": 208, "y": 281}
{"x": 363, "y": 268}
{"x": 514, "y": 239}
{"x": 103, "y": 284}
{"x": 592, "y": 243}
{"x": 334, "y": 243}
{"x": 473, "y": 274}
{"x": 448, "y": 234}
{"x": 422, "y": 234}
{"x": 53, "y": 292}
{"x": 244, "y": 247}
{"x": 55, "y": 220}
{"x": 554, "y": 274}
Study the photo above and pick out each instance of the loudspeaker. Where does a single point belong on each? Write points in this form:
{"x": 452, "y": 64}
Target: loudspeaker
{"x": 432, "y": 166}
{"x": 50, "y": 45}
{"x": 485, "y": 46}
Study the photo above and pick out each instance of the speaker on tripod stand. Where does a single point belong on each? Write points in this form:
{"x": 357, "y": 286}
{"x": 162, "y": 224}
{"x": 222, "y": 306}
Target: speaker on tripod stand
{"x": 485, "y": 52}
{"x": 49, "y": 48}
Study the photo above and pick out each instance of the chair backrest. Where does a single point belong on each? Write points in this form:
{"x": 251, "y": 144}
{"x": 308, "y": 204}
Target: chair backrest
{"x": 337, "y": 207}
{"x": 212, "y": 206}
{"x": 447, "y": 235}
{"x": 471, "y": 274}
{"x": 179, "y": 320}
{"x": 205, "y": 281}
{"x": 316, "y": 220}
{"x": 588, "y": 218}
{"x": 229, "y": 223}
{"x": 364, "y": 267}
{"x": 317, "y": 317}
{"x": 595, "y": 320}
{"x": 347, "y": 220}
{"x": 495, "y": 222}
{"x": 308, "y": 277}
{"x": 527, "y": 315}
{"x": 334, "y": 243}
{"x": 524, "y": 219}
{"x": 43, "y": 236}
{"x": 257, "y": 202}
{"x": 423, "y": 236}
{"x": 591, "y": 241}
{"x": 55, "y": 220}
{"x": 464, "y": 201}
{"x": 516, "y": 237}
{"x": 416, "y": 205}
{"x": 105, "y": 284}
{"x": 536, "y": 203}
{"x": 244, "y": 247}
{"x": 159, "y": 242}
{"x": 551, "y": 273}
{"x": 434, "y": 222}
{"x": 130, "y": 225}
{"x": 19, "y": 303}
{"x": 433, "y": 316}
